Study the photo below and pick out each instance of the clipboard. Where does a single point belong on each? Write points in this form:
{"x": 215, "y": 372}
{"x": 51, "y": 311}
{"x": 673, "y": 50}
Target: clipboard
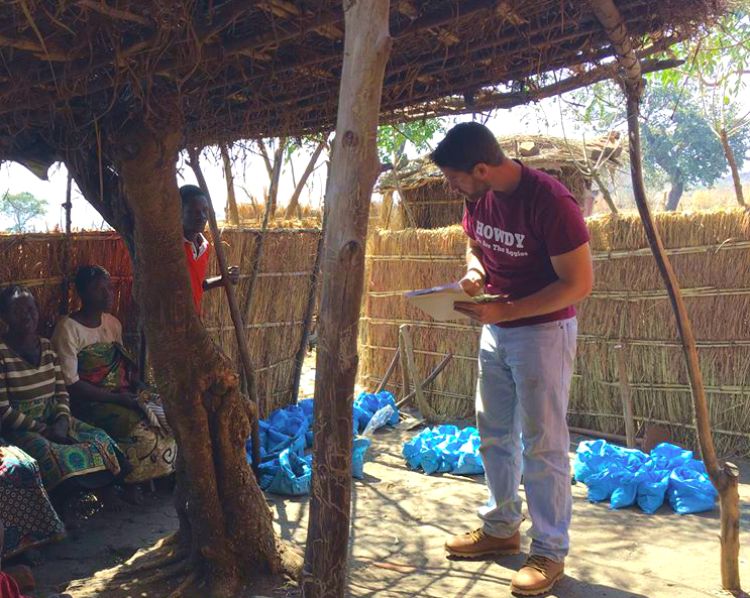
{"x": 437, "y": 302}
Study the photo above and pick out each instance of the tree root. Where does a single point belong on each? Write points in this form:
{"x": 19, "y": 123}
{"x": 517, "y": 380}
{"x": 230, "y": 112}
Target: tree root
{"x": 184, "y": 585}
{"x": 155, "y": 559}
{"x": 292, "y": 559}
{"x": 173, "y": 571}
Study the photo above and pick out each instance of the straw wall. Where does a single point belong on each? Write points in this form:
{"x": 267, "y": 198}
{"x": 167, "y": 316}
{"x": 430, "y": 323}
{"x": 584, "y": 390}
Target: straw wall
{"x": 711, "y": 255}
{"x": 432, "y": 205}
{"x": 276, "y": 313}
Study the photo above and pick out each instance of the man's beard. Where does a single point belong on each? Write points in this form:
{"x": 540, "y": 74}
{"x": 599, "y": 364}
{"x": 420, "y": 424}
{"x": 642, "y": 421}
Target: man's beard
{"x": 477, "y": 195}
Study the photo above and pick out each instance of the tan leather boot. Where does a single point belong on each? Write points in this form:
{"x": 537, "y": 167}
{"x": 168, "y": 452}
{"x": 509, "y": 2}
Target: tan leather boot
{"x": 478, "y": 544}
{"x": 537, "y": 576}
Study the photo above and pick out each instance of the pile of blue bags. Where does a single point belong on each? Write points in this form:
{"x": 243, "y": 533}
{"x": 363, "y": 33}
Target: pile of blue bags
{"x": 445, "y": 449}
{"x": 286, "y": 435}
{"x": 627, "y": 477}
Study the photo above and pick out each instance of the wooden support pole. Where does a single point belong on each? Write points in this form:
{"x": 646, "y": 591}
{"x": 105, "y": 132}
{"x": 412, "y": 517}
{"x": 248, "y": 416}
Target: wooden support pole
{"x": 234, "y": 309}
{"x": 65, "y": 290}
{"x": 389, "y": 371}
{"x": 405, "y": 381}
{"x": 245, "y": 312}
{"x": 724, "y": 476}
{"x": 427, "y": 381}
{"x": 354, "y": 168}
{"x": 408, "y": 349}
{"x": 627, "y": 400}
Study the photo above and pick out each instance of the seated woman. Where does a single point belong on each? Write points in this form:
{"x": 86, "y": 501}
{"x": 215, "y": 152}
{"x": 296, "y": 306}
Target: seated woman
{"x": 25, "y": 508}
{"x": 35, "y": 410}
{"x": 102, "y": 379}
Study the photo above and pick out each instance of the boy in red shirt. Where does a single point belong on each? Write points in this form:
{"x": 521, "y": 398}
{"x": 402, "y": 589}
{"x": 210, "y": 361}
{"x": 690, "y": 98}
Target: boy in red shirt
{"x": 528, "y": 242}
{"x": 197, "y": 248}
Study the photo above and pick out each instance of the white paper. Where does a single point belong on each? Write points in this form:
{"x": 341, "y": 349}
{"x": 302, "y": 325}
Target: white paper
{"x": 437, "y": 302}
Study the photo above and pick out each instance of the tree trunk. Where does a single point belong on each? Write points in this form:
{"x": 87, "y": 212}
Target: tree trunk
{"x": 675, "y": 192}
{"x": 228, "y": 524}
{"x": 354, "y": 168}
{"x": 729, "y": 153}
{"x": 232, "y": 213}
{"x": 293, "y": 206}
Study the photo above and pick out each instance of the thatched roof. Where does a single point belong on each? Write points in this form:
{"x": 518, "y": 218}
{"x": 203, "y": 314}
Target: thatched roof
{"x": 243, "y": 68}
{"x": 538, "y": 151}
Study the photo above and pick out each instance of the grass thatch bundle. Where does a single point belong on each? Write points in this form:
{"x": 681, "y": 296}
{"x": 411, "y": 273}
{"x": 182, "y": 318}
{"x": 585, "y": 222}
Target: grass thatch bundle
{"x": 710, "y": 253}
{"x": 273, "y": 318}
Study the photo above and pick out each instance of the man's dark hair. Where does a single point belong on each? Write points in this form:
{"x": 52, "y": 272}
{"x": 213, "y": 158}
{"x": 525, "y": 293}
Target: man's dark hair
{"x": 188, "y": 192}
{"x": 9, "y": 293}
{"x": 85, "y": 275}
{"x": 467, "y": 145}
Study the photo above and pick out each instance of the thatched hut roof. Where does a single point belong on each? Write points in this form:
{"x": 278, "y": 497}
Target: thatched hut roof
{"x": 537, "y": 151}
{"x": 243, "y": 68}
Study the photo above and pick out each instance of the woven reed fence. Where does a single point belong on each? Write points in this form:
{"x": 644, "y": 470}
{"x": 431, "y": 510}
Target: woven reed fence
{"x": 711, "y": 254}
{"x": 275, "y": 314}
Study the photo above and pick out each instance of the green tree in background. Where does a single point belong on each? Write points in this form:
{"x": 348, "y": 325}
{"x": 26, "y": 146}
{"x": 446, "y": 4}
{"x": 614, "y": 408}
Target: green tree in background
{"x": 717, "y": 65}
{"x": 392, "y": 139}
{"x": 21, "y": 208}
{"x": 680, "y": 146}
{"x": 696, "y": 123}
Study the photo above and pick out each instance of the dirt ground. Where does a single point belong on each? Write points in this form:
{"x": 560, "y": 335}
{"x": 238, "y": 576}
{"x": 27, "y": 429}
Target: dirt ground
{"x": 401, "y": 519}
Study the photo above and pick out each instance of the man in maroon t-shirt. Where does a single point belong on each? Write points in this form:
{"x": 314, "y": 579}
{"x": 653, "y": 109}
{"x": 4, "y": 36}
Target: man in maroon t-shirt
{"x": 529, "y": 244}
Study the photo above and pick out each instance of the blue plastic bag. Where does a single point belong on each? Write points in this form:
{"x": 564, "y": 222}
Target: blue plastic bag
{"x": 285, "y": 435}
{"x": 601, "y": 485}
{"x": 629, "y": 476}
{"x": 430, "y": 460}
{"x": 359, "y": 452}
{"x": 366, "y": 405}
{"x": 469, "y": 459}
{"x": 412, "y": 452}
{"x": 690, "y": 491}
{"x": 445, "y": 449}
{"x": 592, "y": 456}
{"x": 293, "y": 476}
{"x": 652, "y": 487}
{"x": 668, "y": 456}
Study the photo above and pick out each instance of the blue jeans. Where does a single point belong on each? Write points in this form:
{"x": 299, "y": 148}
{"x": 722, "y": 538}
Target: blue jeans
{"x": 522, "y": 392}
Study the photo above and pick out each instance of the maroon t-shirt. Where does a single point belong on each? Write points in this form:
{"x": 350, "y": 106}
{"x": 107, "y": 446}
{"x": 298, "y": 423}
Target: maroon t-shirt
{"x": 519, "y": 231}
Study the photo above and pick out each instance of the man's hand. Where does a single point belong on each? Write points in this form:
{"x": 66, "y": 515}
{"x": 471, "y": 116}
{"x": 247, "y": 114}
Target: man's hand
{"x": 486, "y": 313}
{"x": 473, "y": 282}
{"x": 234, "y": 274}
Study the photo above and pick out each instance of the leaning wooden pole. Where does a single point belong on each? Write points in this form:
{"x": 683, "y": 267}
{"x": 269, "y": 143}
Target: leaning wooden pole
{"x": 354, "y": 168}
{"x": 234, "y": 309}
{"x": 312, "y": 294}
{"x": 725, "y": 476}
{"x": 67, "y": 266}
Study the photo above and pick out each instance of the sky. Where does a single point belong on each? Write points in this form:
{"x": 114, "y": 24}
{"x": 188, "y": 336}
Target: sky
{"x": 250, "y": 174}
